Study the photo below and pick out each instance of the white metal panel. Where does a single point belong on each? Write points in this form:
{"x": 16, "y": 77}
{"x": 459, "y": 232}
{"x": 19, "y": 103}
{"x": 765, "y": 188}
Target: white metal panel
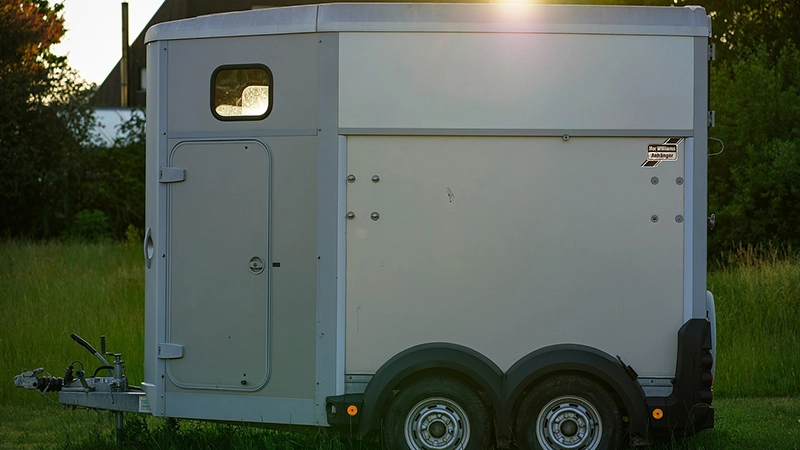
{"x": 475, "y": 18}
{"x": 689, "y": 244}
{"x": 155, "y": 275}
{"x": 296, "y": 19}
{"x": 291, "y": 59}
{"x": 515, "y": 81}
{"x": 241, "y": 409}
{"x": 329, "y": 227}
{"x": 218, "y": 301}
{"x": 294, "y": 249}
{"x": 292, "y": 298}
{"x": 506, "y": 245}
{"x": 699, "y": 175}
{"x": 341, "y": 263}
{"x": 507, "y": 17}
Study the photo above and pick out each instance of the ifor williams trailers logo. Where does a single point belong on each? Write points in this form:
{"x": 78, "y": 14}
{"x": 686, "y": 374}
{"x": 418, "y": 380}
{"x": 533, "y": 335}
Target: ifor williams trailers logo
{"x": 668, "y": 151}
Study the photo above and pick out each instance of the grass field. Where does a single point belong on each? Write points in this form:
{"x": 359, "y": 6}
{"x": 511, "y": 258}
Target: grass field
{"x": 49, "y": 290}
{"x": 741, "y": 424}
{"x": 758, "y": 324}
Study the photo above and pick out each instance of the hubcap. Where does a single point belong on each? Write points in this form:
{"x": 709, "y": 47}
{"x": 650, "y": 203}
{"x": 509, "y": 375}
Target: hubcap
{"x": 567, "y": 423}
{"x": 569, "y": 428}
{"x": 437, "y": 424}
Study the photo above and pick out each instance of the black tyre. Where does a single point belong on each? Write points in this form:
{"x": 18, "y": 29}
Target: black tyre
{"x": 568, "y": 412}
{"x": 437, "y": 413}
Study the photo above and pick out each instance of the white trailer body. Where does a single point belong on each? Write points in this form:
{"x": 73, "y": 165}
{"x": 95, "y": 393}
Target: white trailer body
{"x": 501, "y": 195}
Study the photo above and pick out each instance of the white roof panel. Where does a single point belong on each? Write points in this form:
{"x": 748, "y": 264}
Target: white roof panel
{"x": 286, "y": 20}
{"x": 441, "y": 17}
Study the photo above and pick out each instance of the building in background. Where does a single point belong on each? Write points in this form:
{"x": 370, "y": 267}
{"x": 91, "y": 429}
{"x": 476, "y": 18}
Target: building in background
{"x": 108, "y": 94}
{"x": 108, "y": 124}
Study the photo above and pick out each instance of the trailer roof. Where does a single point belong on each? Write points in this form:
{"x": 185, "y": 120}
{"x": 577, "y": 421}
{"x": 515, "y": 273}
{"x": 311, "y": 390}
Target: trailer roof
{"x": 439, "y": 17}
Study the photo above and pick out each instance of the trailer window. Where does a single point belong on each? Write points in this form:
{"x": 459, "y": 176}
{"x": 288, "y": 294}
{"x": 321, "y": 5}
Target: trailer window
{"x": 241, "y": 92}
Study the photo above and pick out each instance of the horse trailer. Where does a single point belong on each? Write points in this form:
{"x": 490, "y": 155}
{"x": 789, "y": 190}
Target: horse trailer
{"x": 444, "y": 226}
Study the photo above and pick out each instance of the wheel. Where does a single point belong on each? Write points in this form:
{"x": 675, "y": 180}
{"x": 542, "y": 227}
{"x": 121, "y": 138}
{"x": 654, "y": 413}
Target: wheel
{"x": 437, "y": 413}
{"x": 568, "y": 413}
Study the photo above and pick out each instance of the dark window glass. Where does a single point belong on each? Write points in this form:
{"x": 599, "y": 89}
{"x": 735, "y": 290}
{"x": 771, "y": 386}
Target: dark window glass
{"x": 241, "y": 92}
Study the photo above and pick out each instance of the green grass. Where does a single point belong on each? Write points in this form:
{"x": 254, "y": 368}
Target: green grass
{"x": 47, "y": 426}
{"x": 741, "y": 424}
{"x": 49, "y": 290}
{"x": 757, "y": 296}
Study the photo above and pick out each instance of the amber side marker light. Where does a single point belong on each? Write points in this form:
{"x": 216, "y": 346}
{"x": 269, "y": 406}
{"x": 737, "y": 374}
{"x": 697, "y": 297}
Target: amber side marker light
{"x": 657, "y": 413}
{"x": 352, "y": 410}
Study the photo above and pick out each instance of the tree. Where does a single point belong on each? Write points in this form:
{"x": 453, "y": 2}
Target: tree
{"x": 754, "y": 185}
{"x": 741, "y": 26}
{"x": 45, "y": 120}
{"x": 27, "y": 30}
{"x": 111, "y": 180}
{"x": 755, "y": 89}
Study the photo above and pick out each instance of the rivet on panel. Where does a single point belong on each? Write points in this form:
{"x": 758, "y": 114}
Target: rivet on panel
{"x": 654, "y": 218}
{"x": 374, "y": 216}
{"x": 351, "y": 178}
{"x": 376, "y": 178}
{"x": 654, "y": 181}
{"x": 679, "y": 218}
{"x": 679, "y": 181}
{"x": 351, "y": 215}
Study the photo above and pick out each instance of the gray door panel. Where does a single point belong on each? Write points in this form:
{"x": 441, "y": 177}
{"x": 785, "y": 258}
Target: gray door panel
{"x": 218, "y": 265}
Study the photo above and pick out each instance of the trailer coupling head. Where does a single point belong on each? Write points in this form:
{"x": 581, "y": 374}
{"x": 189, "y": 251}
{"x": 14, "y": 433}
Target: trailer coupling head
{"x": 31, "y": 380}
{"x": 76, "y": 379}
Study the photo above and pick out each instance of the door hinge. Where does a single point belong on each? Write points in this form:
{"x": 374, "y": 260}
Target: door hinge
{"x": 712, "y": 119}
{"x": 170, "y": 351}
{"x": 712, "y": 52}
{"x": 171, "y": 175}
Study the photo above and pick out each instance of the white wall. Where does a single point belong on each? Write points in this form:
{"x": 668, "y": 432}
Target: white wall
{"x": 506, "y": 245}
{"x": 515, "y": 81}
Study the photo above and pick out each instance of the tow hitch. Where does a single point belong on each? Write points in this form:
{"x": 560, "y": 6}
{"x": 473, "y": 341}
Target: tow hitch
{"x": 111, "y": 392}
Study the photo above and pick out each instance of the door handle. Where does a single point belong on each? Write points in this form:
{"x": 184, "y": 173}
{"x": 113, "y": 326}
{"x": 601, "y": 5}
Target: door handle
{"x": 256, "y": 265}
{"x": 149, "y": 248}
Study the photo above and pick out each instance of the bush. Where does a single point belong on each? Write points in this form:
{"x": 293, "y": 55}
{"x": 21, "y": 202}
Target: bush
{"x": 754, "y": 187}
{"x": 89, "y": 225}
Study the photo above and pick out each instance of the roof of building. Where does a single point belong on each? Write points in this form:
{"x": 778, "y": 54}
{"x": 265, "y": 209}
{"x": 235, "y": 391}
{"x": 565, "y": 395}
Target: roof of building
{"x": 108, "y": 93}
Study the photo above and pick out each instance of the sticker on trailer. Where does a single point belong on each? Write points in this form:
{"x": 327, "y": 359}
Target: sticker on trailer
{"x": 144, "y": 405}
{"x": 662, "y": 152}
{"x": 668, "y": 151}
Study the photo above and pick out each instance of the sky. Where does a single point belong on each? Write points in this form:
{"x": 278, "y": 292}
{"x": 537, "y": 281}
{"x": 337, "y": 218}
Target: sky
{"x": 93, "y": 41}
